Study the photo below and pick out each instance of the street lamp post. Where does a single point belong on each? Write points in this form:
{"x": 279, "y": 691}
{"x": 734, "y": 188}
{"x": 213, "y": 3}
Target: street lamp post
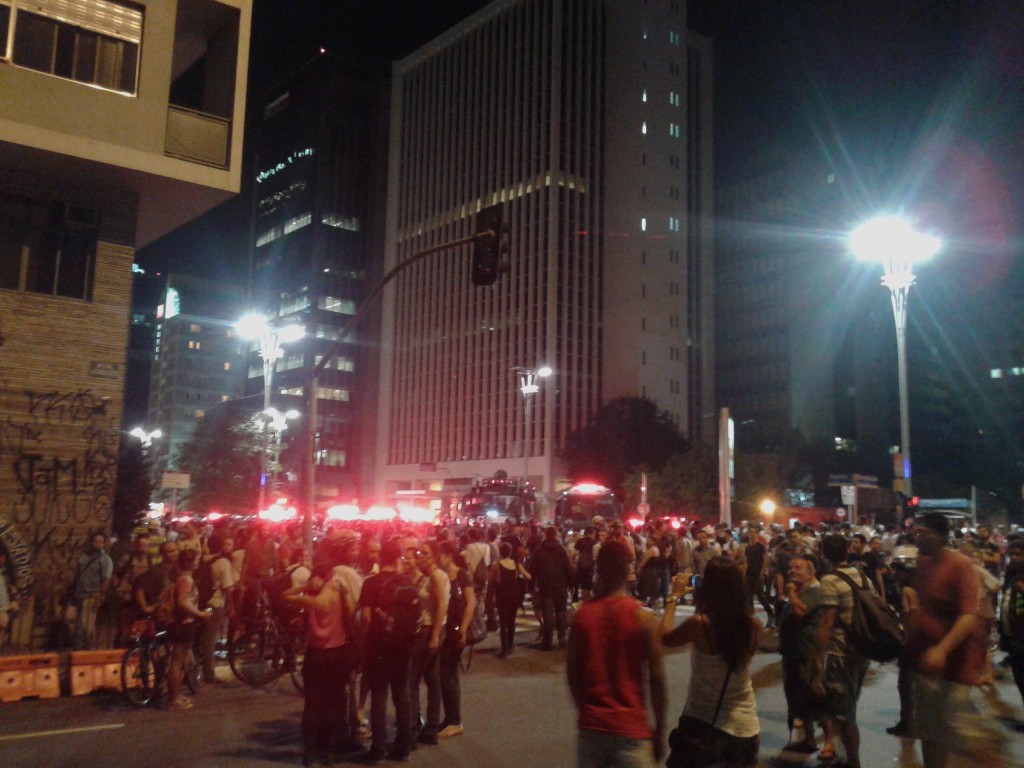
{"x": 270, "y": 339}
{"x": 892, "y": 241}
{"x": 529, "y": 387}
{"x": 279, "y": 423}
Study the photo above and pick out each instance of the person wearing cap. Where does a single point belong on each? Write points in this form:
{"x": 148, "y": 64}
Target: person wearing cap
{"x": 945, "y": 645}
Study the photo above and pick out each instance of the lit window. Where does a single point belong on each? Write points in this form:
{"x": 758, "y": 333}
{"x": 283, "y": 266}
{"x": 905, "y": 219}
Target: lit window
{"x": 334, "y": 304}
{"x": 996, "y": 373}
{"x": 643, "y": 98}
{"x": 92, "y": 41}
{"x": 192, "y": 344}
{"x": 350, "y": 223}
{"x": 224, "y": 398}
{"x": 227, "y": 366}
{"x": 643, "y": 225}
{"x": 199, "y": 414}
{"x": 195, "y": 328}
{"x": 643, "y": 128}
{"x": 298, "y": 222}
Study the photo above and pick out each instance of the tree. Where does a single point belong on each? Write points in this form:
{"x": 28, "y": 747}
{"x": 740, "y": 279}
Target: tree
{"x": 223, "y": 459}
{"x": 687, "y": 485}
{"x": 622, "y": 434}
{"x": 134, "y": 487}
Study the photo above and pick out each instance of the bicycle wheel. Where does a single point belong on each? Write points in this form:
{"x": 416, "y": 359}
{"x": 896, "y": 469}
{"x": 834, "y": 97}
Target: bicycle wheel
{"x": 193, "y": 673}
{"x": 256, "y": 655}
{"x": 138, "y": 677}
{"x": 299, "y": 651}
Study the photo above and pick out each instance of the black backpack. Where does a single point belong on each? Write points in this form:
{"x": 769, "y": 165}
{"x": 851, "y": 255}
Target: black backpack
{"x": 875, "y": 630}
{"x": 203, "y": 578}
{"x": 397, "y": 617}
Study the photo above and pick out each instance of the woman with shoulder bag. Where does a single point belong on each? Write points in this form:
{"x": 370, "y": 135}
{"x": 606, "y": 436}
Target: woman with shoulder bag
{"x": 719, "y": 724}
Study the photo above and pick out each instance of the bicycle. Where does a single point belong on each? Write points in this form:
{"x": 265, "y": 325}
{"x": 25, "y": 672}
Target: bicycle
{"x": 146, "y": 662}
{"x": 267, "y": 647}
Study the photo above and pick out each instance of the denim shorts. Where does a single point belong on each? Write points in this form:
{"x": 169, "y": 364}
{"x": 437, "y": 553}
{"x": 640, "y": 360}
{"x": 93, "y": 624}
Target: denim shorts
{"x": 602, "y": 750}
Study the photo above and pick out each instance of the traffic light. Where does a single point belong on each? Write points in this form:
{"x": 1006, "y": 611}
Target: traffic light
{"x": 488, "y": 245}
{"x": 911, "y": 506}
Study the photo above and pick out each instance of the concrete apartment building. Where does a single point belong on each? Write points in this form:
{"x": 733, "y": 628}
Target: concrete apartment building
{"x": 591, "y": 123}
{"x": 120, "y": 122}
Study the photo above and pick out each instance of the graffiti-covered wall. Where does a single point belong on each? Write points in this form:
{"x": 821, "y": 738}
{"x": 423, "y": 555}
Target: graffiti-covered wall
{"x": 61, "y": 390}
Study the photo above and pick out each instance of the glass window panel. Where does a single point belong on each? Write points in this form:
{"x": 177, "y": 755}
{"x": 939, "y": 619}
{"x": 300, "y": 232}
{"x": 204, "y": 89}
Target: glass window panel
{"x": 34, "y": 42}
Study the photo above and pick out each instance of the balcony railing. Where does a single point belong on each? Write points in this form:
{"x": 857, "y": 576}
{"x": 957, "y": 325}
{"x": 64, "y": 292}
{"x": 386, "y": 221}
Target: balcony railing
{"x": 197, "y": 137}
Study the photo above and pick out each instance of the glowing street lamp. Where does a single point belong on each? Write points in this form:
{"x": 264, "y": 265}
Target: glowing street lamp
{"x": 767, "y": 507}
{"x": 146, "y": 438}
{"x": 529, "y": 386}
{"x": 278, "y": 422}
{"x": 270, "y": 339}
{"x": 894, "y": 243}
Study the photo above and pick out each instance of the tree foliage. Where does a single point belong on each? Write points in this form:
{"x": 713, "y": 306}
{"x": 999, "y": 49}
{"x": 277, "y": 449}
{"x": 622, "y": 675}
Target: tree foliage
{"x": 622, "y": 434}
{"x": 687, "y": 484}
{"x": 134, "y": 487}
{"x": 223, "y": 459}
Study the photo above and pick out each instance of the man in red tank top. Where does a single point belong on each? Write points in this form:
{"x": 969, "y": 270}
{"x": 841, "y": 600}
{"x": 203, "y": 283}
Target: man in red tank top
{"x": 613, "y": 648}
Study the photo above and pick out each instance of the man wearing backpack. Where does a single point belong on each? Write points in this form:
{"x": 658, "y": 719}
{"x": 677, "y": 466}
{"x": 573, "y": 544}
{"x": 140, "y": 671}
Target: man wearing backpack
{"x": 215, "y": 582}
{"x": 95, "y": 569}
{"x": 388, "y": 653}
{"x": 839, "y": 669}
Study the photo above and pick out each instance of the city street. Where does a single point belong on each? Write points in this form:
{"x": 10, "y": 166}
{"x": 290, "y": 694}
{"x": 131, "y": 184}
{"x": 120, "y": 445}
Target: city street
{"x": 517, "y": 713}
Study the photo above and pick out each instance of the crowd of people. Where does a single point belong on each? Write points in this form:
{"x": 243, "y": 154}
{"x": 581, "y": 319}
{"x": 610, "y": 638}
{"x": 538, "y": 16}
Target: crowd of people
{"x": 389, "y": 609}
{"x": 955, "y": 591}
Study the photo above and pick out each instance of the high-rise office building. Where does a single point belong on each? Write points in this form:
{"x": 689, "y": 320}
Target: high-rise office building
{"x": 590, "y": 122}
{"x": 318, "y": 228}
{"x": 198, "y": 360}
{"x": 120, "y": 121}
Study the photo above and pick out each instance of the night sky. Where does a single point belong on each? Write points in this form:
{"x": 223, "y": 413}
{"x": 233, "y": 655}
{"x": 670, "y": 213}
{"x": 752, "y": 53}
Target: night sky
{"x": 921, "y": 102}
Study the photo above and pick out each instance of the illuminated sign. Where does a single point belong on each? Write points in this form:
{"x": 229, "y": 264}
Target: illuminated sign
{"x": 173, "y": 304}
{"x": 298, "y": 154}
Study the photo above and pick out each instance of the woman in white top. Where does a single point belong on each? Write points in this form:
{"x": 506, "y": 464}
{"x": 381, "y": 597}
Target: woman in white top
{"x": 719, "y": 724}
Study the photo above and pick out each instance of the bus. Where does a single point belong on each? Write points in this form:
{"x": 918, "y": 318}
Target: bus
{"x": 498, "y": 500}
{"x": 577, "y": 506}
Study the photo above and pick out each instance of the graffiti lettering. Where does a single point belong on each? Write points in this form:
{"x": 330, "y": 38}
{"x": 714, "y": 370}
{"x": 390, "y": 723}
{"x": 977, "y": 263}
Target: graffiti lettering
{"x": 71, "y": 407}
{"x": 17, "y": 553}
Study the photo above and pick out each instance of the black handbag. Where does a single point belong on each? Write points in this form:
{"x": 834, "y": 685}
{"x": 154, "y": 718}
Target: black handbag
{"x": 694, "y": 743}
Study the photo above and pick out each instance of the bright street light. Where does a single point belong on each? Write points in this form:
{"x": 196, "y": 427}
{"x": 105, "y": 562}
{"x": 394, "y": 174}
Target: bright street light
{"x": 897, "y": 246}
{"x": 767, "y": 507}
{"x": 270, "y": 338}
{"x": 529, "y": 386}
{"x": 146, "y": 438}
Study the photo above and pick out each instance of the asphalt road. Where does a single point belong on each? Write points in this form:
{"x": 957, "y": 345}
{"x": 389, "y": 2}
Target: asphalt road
{"x": 517, "y": 713}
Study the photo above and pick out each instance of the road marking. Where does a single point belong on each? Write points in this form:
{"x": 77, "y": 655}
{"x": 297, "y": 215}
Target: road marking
{"x": 61, "y": 732}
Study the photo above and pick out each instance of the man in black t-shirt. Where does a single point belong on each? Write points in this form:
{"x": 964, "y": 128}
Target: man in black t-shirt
{"x": 385, "y": 666}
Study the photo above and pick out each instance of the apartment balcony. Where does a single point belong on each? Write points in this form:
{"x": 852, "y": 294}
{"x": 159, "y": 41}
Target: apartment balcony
{"x": 197, "y": 137}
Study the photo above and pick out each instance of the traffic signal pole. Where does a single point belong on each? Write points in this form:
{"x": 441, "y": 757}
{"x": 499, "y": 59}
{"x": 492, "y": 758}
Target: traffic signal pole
{"x": 485, "y": 237}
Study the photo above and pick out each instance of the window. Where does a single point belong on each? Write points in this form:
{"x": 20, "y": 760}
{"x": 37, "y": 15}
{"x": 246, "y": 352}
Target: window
{"x": 227, "y": 366}
{"x": 47, "y": 247}
{"x": 331, "y": 457}
{"x": 91, "y": 41}
{"x": 333, "y": 304}
{"x": 195, "y": 328}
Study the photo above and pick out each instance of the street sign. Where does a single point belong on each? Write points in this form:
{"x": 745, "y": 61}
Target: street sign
{"x": 849, "y": 493}
{"x": 176, "y": 480}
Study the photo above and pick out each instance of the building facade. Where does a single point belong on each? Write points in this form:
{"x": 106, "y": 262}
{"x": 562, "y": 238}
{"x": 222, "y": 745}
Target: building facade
{"x": 590, "y": 122}
{"x": 198, "y": 361}
{"x": 120, "y": 121}
{"x": 318, "y": 228}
